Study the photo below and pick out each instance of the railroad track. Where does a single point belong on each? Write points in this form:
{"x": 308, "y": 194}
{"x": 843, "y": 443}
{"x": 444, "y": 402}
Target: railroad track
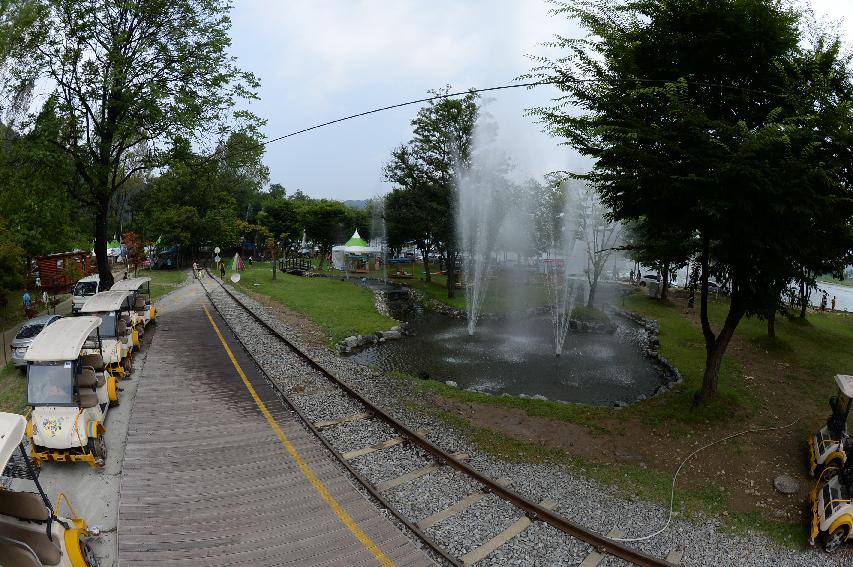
{"x": 426, "y": 458}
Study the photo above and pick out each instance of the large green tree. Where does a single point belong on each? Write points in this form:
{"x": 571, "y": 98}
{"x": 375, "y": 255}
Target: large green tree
{"x": 721, "y": 120}
{"x": 426, "y": 167}
{"x": 128, "y": 77}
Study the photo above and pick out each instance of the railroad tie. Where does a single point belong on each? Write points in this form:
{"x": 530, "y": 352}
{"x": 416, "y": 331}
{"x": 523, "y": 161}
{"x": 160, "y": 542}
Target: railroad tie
{"x": 396, "y": 440}
{"x": 675, "y": 556}
{"x": 410, "y": 476}
{"x": 594, "y": 558}
{"x": 490, "y": 546}
{"x": 454, "y": 509}
{"x": 325, "y": 424}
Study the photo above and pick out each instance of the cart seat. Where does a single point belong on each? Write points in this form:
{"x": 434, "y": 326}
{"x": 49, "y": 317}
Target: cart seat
{"x": 88, "y": 399}
{"x": 121, "y": 328}
{"x": 88, "y": 378}
{"x": 48, "y": 552}
{"x": 24, "y": 506}
{"x": 96, "y": 361}
{"x": 17, "y": 554}
{"x": 140, "y": 303}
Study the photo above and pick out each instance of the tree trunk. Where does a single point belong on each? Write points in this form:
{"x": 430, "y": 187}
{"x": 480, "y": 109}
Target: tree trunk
{"x": 274, "y": 261}
{"x": 451, "y": 275}
{"x": 104, "y": 272}
{"x": 664, "y": 281}
{"x": 771, "y": 325}
{"x": 592, "y": 288}
{"x": 715, "y": 346}
{"x": 804, "y": 301}
{"x": 427, "y": 275}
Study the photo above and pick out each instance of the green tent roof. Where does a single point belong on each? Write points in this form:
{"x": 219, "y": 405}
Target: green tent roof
{"x": 357, "y": 240}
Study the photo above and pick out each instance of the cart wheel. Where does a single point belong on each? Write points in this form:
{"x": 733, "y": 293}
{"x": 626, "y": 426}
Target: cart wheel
{"x": 98, "y": 447}
{"x": 127, "y": 365}
{"x": 88, "y": 553}
{"x": 835, "y": 539}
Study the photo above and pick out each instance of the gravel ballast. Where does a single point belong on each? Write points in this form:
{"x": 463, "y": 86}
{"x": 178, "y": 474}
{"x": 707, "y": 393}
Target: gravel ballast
{"x": 583, "y": 501}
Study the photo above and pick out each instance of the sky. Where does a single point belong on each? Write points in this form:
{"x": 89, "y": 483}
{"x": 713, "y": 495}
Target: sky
{"x": 324, "y": 59}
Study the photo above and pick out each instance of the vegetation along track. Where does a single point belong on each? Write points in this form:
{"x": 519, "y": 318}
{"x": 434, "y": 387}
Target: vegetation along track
{"x": 405, "y": 436}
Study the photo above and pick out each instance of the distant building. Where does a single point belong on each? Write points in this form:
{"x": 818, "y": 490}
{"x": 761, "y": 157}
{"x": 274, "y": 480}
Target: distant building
{"x": 54, "y": 268}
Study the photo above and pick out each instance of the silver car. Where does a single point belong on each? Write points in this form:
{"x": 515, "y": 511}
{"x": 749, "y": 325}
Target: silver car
{"x": 25, "y": 336}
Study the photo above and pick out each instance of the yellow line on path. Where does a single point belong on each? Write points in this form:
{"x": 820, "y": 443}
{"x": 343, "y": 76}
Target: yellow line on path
{"x": 303, "y": 466}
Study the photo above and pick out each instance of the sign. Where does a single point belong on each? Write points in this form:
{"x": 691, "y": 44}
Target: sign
{"x": 235, "y": 277}
{"x": 216, "y": 250}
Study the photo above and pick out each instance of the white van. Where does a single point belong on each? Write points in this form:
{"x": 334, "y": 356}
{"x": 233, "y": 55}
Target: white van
{"x": 83, "y": 290}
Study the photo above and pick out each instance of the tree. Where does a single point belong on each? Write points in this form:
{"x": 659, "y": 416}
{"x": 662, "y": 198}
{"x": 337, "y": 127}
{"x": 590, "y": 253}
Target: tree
{"x": 600, "y": 235}
{"x": 443, "y": 133}
{"x": 135, "y": 250}
{"x": 127, "y": 77}
{"x": 325, "y": 222}
{"x": 721, "y": 120}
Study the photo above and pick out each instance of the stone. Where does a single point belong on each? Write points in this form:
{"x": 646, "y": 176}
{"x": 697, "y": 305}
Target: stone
{"x": 452, "y": 384}
{"x": 351, "y": 342}
{"x": 392, "y": 335}
{"x": 786, "y": 484}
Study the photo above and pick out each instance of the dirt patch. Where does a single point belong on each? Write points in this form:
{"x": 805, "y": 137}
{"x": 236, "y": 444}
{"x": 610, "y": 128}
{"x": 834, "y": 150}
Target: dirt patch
{"x": 309, "y": 332}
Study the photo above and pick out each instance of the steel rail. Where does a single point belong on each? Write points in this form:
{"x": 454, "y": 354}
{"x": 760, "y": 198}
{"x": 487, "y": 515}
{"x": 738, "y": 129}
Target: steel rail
{"x": 534, "y": 511}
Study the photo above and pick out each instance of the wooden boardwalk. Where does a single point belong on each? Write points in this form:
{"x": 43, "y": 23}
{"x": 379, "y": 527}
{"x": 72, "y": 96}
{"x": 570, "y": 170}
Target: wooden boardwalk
{"x": 207, "y": 479}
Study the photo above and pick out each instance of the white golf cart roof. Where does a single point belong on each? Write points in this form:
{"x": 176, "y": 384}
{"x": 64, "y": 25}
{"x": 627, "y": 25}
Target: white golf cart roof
{"x": 845, "y": 384}
{"x": 105, "y": 301}
{"x": 12, "y": 427}
{"x": 62, "y": 340}
{"x": 131, "y": 284}
{"x": 92, "y": 278}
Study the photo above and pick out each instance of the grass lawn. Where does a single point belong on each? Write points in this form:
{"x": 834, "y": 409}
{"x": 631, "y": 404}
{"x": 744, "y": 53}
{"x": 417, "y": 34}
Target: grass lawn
{"x": 13, "y": 390}
{"x": 340, "y": 308}
{"x": 164, "y": 281}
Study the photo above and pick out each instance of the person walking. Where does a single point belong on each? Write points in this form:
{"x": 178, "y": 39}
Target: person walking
{"x": 195, "y": 269}
{"x": 28, "y": 302}
{"x": 823, "y": 302}
{"x": 222, "y": 269}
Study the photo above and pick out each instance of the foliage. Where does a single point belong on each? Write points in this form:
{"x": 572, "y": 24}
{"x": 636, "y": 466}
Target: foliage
{"x": 726, "y": 123}
{"x": 127, "y": 77}
{"x": 135, "y": 250}
{"x": 424, "y": 171}
{"x": 11, "y": 261}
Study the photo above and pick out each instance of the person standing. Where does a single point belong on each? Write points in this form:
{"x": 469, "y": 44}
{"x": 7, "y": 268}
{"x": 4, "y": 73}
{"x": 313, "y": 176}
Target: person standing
{"x": 823, "y": 302}
{"x": 833, "y": 303}
{"x": 27, "y": 301}
{"x": 222, "y": 269}
{"x": 195, "y": 269}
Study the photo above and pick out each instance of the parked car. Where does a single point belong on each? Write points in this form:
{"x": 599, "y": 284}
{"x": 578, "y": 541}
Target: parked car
{"x": 25, "y": 337}
{"x": 83, "y": 290}
{"x": 649, "y": 278}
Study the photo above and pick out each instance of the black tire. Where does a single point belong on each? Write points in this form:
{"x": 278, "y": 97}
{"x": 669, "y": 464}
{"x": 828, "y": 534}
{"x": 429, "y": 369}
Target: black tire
{"x": 88, "y": 553}
{"x": 835, "y": 539}
{"x": 98, "y": 448}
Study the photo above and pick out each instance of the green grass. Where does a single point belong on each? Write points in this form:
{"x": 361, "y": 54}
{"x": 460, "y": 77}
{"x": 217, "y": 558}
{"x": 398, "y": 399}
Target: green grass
{"x": 163, "y": 281}
{"x": 340, "y": 308}
{"x": 14, "y": 313}
{"x": 13, "y": 390}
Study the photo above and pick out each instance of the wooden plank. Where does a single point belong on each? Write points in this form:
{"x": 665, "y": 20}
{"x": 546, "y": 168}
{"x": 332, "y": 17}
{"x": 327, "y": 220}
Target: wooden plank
{"x": 594, "y": 558}
{"x": 454, "y": 509}
{"x": 410, "y": 476}
{"x": 333, "y": 422}
{"x": 490, "y": 546}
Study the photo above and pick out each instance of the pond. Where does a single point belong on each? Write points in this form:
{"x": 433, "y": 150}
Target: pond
{"x": 516, "y": 357}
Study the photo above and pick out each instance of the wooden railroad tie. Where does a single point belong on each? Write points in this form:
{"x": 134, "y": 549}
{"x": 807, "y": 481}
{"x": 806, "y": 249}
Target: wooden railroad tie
{"x": 466, "y": 502}
{"x": 490, "y": 546}
{"x": 396, "y": 440}
{"x": 325, "y": 424}
{"x": 410, "y": 476}
{"x": 594, "y": 558}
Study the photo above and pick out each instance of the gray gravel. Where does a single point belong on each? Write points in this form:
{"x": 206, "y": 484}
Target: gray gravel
{"x": 583, "y": 501}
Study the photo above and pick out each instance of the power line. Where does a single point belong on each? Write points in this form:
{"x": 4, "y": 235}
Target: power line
{"x": 515, "y": 86}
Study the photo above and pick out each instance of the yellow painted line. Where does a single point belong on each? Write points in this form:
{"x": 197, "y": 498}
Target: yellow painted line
{"x": 318, "y": 485}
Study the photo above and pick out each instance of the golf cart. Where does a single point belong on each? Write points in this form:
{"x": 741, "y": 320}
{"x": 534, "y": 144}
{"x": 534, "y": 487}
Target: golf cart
{"x": 31, "y": 532}
{"x": 117, "y": 335}
{"x": 69, "y": 392}
{"x": 832, "y": 504}
{"x": 142, "y": 312}
{"x": 826, "y": 447}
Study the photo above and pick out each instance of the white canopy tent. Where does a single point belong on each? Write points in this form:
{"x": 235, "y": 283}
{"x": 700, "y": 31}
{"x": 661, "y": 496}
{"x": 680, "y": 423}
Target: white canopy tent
{"x": 356, "y": 250}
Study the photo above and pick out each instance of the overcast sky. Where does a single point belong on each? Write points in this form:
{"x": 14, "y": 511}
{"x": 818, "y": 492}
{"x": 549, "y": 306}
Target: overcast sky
{"x": 323, "y": 59}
